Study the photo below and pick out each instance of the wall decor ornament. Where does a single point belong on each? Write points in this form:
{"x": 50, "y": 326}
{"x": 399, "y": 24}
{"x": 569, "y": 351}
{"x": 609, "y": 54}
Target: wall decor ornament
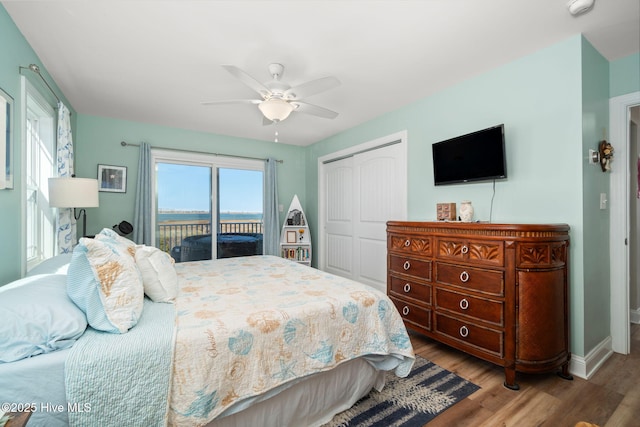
{"x": 605, "y": 152}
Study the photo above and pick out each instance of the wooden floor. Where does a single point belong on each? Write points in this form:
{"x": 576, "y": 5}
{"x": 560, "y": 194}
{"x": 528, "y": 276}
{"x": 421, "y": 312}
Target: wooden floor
{"x": 611, "y": 398}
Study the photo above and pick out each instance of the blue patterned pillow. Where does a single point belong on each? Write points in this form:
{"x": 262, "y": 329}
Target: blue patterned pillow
{"x": 105, "y": 283}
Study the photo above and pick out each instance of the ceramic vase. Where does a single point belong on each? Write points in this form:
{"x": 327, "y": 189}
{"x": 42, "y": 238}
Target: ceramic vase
{"x": 466, "y": 211}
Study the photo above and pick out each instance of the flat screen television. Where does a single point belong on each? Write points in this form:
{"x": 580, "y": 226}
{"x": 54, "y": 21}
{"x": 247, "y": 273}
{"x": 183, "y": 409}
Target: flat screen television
{"x": 477, "y": 156}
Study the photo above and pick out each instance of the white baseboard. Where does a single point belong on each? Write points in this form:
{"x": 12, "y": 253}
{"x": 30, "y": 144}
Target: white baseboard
{"x": 585, "y": 367}
{"x": 634, "y": 315}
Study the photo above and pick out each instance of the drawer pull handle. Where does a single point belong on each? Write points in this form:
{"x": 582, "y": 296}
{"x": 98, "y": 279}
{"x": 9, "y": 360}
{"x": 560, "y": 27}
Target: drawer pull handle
{"x": 407, "y": 287}
{"x": 405, "y": 310}
{"x": 464, "y": 277}
{"x": 407, "y": 242}
{"x": 407, "y": 265}
{"x": 465, "y": 249}
{"x": 464, "y": 331}
{"x": 464, "y": 303}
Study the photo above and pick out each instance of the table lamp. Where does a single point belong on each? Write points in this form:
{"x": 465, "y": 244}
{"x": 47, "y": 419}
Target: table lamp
{"x": 71, "y": 192}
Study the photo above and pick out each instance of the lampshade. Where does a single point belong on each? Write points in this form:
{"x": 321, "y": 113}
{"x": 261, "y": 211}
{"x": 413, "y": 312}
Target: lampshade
{"x": 275, "y": 109}
{"x": 65, "y": 192}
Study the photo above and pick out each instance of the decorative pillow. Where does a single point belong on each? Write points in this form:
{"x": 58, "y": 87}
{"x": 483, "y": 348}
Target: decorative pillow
{"x": 37, "y": 317}
{"x": 55, "y": 265}
{"x": 105, "y": 283}
{"x": 126, "y": 245}
{"x": 158, "y": 273}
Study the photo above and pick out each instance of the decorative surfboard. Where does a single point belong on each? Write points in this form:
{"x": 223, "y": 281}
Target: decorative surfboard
{"x": 295, "y": 239}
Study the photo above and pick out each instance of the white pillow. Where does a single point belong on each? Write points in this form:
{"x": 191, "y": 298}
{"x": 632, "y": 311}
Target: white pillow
{"x": 37, "y": 317}
{"x": 105, "y": 283}
{"x": 158, "y": 273}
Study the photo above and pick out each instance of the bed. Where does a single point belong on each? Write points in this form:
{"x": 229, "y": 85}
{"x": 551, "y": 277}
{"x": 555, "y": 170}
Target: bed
{"x": 256, "y": 340}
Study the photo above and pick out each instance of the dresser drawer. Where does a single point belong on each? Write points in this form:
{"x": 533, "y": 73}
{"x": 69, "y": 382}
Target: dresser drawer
{"x": 478, "y": 308}
{"x": 418, "y": 245}
{"x": 485, "y": 252}
{"x": 410, "y": 289}
{"x": 487, "y": 281}
{"x": 413, "y": 314}
{"x": 414, "y": 267}
{"x": 486, "y": 339}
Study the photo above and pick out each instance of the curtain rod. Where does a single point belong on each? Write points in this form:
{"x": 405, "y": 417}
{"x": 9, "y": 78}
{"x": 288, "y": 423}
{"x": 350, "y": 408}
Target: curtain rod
{"x": 36, "y": 69}
{"x": 126, "y": 144}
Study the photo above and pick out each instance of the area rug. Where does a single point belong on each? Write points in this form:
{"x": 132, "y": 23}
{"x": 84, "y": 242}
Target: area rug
{"x": 408, "y": 402}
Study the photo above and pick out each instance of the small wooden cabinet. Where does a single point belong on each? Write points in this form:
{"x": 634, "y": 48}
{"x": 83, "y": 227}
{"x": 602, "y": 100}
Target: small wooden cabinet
{"x": 496, "y": 291}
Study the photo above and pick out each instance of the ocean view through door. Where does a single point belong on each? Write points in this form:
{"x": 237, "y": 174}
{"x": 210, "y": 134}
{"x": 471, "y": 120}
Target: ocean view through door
{"x": 205, "y": 212}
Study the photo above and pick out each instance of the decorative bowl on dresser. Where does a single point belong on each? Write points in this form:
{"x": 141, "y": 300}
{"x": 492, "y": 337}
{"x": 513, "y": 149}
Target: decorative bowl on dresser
{"x": 496, "y": 291}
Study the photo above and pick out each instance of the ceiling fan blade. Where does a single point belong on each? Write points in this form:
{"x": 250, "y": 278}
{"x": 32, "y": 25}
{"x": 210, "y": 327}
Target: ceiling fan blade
{"x": 248, "y": 80}
{"x": 233, "y": 101}
{"x": 311, "y": 88}
{"x": 303, "y": 107}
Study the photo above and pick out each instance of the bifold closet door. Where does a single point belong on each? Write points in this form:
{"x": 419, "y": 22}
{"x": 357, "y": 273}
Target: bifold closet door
{"x": 362, "y": 193}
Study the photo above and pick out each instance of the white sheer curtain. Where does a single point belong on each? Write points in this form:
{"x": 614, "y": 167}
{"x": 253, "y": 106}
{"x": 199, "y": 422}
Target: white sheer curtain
{"x": 65, "y": 221}
{"x": 271, "y": 236}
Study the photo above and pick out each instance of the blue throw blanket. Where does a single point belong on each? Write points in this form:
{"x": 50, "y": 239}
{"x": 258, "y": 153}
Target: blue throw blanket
{"x": 123, "y": 379}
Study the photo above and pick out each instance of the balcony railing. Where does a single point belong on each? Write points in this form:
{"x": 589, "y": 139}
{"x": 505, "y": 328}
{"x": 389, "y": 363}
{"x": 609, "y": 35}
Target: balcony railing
{"x": 171, "y": 235}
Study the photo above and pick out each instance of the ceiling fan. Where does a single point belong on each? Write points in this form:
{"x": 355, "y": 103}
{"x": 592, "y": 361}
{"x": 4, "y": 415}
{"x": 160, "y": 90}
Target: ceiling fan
{"x": 278, "y": 99}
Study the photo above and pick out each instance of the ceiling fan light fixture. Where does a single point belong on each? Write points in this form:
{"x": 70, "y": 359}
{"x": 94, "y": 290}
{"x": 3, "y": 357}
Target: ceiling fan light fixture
{"x": 275, "y": 109}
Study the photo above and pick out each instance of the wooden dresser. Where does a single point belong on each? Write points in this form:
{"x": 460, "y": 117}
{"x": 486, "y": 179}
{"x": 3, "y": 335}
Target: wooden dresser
{"x": 496, "y": 291}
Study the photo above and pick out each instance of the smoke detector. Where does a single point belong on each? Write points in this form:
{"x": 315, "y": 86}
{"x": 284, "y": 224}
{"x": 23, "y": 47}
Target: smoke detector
{"x": 577, "y": 7}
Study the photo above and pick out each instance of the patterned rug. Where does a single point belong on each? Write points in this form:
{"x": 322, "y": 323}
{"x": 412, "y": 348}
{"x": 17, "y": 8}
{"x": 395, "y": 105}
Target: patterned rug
{"x": 408, "y": 402}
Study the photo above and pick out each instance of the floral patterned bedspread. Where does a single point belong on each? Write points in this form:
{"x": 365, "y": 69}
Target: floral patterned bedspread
{"x": 246, "y": 325}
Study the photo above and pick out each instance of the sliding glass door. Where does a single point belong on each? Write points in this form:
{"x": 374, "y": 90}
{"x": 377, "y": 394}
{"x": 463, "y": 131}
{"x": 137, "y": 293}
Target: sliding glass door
{"x": 239, "y": 209}
{"x": 207, "y": 207}
{"x": 184, "y": 214}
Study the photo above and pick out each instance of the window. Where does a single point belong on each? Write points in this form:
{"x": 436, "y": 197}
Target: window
{"x": 40, "y": 164}
{"x": 207, "y": 206}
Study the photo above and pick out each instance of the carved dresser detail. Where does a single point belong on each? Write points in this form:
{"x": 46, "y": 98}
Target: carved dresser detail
{"x": 496, "y": 291}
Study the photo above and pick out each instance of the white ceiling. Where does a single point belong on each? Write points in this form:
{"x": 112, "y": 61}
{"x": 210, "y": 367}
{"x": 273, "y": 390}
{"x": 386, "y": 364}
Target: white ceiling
{"x": 156, "y": 61}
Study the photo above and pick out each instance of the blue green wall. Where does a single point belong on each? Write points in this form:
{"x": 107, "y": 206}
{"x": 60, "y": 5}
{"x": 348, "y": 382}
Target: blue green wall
{"x": 98, "y": 141}
{"x": 624, "y": 75}
{"x": 595, "y": 123}
{"x": 16, "y": 52}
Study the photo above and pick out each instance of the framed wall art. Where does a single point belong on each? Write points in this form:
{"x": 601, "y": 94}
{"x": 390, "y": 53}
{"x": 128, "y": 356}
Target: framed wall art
{"x": 112, "y": 178}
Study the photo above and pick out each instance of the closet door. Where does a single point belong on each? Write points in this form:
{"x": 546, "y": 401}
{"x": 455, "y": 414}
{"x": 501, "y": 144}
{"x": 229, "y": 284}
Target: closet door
{"x": 338, "y": 214}
{"x": 361, "y": 193}
{"x": 379, "y": 184}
